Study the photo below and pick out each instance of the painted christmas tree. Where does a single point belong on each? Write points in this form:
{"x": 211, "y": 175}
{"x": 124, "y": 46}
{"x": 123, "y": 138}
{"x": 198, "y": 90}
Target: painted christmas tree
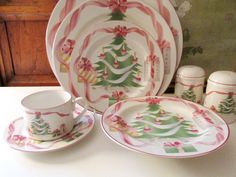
{"x": 118, "y": 8}
{"x": 157, "y": 123}
{"x": 118, "y": 66}
{"x": 189, "y": 95}
{"x": 228, "y": 105}
{"x": 39, "y": 126}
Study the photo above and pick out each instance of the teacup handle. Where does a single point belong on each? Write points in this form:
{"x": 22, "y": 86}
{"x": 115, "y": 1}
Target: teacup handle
{"x": 75, "y": 100}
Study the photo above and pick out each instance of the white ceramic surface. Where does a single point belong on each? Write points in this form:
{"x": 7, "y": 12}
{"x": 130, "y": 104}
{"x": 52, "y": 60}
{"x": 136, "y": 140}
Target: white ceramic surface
{"x": 191, "y": 71}
{"x": 227, "y": 78}
{"x": 189, "y": 83}
{"x": 221, "y": 94}
{"x": 48, "y": 114}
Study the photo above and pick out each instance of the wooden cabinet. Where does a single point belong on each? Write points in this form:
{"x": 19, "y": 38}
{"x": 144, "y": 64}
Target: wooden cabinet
{"x": 23, "y": 59}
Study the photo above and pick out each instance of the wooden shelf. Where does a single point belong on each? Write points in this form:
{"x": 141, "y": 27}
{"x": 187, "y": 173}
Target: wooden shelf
{"x": 33, "y": 80}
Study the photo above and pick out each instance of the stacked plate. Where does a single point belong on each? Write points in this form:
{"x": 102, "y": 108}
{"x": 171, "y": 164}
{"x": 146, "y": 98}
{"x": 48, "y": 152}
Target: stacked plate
{"x": 111, "y": 50}
{"x": 119, "y": 54}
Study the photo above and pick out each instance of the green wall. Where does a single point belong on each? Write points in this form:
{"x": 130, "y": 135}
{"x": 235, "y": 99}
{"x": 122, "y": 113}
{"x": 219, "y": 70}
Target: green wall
{"x": 209, "y": 33}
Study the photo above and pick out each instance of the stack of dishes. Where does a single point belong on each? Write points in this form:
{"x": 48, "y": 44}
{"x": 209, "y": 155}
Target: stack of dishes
{"x": 111, "y": 50}
{"x": 119, "y": 54}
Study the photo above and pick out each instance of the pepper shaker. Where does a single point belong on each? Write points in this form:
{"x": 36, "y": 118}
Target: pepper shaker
{"x": 189, "y": 83}
{"x": 221, "y": 94}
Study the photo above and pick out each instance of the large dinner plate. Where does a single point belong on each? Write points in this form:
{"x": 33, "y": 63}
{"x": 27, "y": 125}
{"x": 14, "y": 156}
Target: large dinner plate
{"x": 115, "y": 61}
{"x": 83, "y": 16}
{"x": 61, "y": 10}
{"x": 167, "y": 11}
{"x": 64, "y": 7}
{"x": 164, "y": 126}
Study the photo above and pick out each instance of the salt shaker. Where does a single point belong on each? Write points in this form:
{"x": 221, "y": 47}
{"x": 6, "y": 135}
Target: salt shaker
{"x": 221, "y": 94}
{"x": 189, "y": 83}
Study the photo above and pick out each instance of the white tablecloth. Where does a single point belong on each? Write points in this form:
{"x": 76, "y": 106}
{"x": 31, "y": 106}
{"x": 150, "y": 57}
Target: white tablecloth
{"x": 97, "y": 156}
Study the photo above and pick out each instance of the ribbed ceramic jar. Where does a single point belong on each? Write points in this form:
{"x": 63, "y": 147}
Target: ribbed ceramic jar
{"x": 189, "y": 83}
{"x": 221, "y": 94}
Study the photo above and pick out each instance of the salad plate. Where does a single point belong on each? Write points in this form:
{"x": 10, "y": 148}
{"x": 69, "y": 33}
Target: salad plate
{"x": 165, "y": 126}
{"x": 17, "y": 138}
{"x": 115, "y": 61}
{"x": 83, "y": 16}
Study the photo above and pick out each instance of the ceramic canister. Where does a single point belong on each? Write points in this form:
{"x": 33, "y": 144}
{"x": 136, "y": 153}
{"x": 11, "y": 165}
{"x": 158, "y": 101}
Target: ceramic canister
{"x": 189, "y": 83}
{"x": 221, "y": 94}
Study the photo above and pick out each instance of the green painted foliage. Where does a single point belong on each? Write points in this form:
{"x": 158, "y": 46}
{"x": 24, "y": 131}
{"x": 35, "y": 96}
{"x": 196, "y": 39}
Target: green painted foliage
{"x": 117, "y": 15}
{"x": 111, "y": 55}
{"x": 154, "y": 124}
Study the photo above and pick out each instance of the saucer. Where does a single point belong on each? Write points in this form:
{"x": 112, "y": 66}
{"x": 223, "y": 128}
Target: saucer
{"x": 17, "y": 138}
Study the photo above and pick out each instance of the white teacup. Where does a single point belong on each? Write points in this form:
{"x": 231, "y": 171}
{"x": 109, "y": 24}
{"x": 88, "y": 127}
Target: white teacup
{"x": 48, "y": 115}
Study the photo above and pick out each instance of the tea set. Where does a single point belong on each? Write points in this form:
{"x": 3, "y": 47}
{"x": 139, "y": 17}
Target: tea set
{"x": 51, "y": 120}
{"x": 177, "y": 126}
{"x": 118, "y": 62}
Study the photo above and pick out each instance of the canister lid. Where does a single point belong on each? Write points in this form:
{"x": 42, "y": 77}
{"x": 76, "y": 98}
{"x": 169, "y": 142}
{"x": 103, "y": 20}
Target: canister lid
{"x": 191, "y": 71}
{"x": 223, "y": 77}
